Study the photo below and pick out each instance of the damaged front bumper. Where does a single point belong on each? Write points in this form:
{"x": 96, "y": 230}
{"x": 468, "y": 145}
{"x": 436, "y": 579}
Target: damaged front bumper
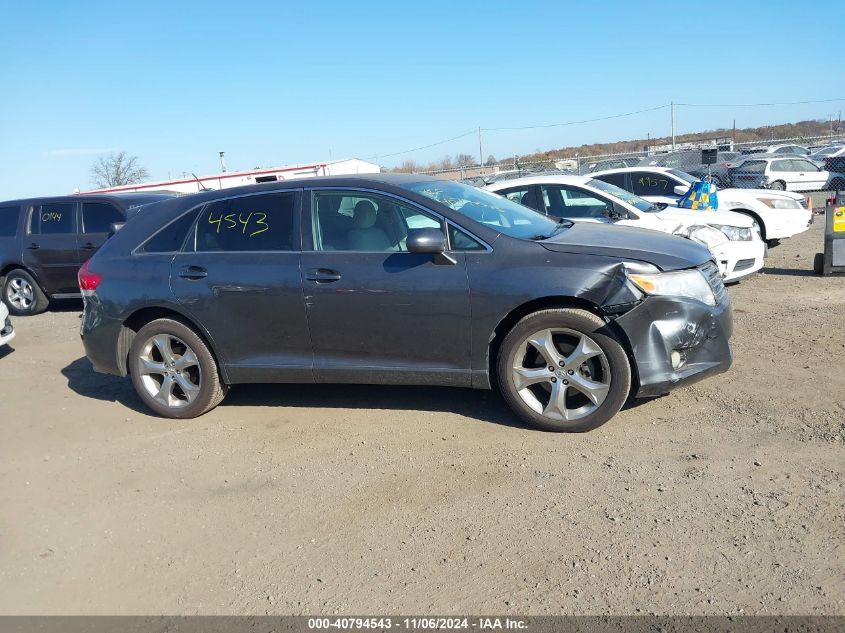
{"x": 676, "y": 341}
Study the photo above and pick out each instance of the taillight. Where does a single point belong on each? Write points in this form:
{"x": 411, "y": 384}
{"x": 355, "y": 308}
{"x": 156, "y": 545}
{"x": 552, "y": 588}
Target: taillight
{"x": 88, "y": 281}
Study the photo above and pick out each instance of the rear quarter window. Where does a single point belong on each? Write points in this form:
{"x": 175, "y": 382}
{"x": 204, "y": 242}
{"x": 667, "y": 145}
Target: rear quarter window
{"x": 9, "y": 221}
{"x": 171, "y": 237}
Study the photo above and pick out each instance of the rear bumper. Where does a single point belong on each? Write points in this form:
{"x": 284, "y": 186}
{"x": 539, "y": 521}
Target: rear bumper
{"x": 662, "y": 325}
{"x": 100, "y": 338}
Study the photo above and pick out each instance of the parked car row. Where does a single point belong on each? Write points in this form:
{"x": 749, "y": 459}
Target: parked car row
{"x": 648, "y": 197}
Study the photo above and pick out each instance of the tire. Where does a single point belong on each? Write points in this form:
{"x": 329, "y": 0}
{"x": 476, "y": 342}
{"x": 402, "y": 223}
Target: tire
{"x": 778, "y": 185}
{"x": 22, "y": 294}
{"x": 818, "y": 264}
{"x": 532, "y": 400}
{"x": 162, "y": 391}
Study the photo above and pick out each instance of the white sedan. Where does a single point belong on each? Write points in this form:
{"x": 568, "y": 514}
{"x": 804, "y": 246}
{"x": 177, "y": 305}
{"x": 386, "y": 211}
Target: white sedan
{"x": 7, "y": 332}
{"x": 731, "y": 237}
{"x": 776, "y": 214}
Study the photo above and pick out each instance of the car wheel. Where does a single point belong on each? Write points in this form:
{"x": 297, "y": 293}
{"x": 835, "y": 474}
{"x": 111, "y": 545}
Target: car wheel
{"x": 173, "y": 370}
{"x": 562, "y": 370}
{"x": 778, "y": 185}
{"x": 22, "y": 294}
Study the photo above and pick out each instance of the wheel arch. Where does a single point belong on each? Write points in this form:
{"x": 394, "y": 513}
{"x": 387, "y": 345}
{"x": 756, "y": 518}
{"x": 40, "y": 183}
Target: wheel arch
{"x": 754, "y": 215}
{"x": 141, "y": 316}
{"x": 544, "y": 303}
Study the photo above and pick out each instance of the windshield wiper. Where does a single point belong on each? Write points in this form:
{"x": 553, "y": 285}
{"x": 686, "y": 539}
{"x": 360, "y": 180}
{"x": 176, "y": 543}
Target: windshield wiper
{"x": 561, "y": 224}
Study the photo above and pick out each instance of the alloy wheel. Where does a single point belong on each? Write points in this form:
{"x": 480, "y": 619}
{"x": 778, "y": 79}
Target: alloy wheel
{"x": 170, "y": 371}
{"x": 561, "y": 374}
{"x": 20, "y": 293}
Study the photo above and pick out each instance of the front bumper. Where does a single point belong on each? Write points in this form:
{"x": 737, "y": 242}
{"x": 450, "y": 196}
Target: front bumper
{"x": 661, "y": 325}
{"x": 797, "y": 221}
{"x": 7, "y": 332}
{"x": 740, "y": 259}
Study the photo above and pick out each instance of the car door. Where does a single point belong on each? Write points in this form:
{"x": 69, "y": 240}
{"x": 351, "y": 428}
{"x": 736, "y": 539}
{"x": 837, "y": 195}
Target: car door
{"x": 809, "y": 175}
{"x": 96, "y": 219}
{"x": 50, "y": 249}
{"x": 374, "y": 309}
{"x": 238, "y": 276}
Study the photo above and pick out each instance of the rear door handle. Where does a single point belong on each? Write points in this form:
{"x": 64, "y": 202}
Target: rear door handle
{"x": 322, "y": 275}
{"x": 33, "y": 247}
{"x": 88, "y": 247}
{"x": 193, "y": 272}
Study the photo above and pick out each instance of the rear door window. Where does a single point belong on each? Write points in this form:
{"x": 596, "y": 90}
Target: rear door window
{"x": 567, "y": 202}
{"x": 613, "y": 179}
{"x": 782, "y": 165}
{"x": 97, "y": 217}
{"x": 651, "y": 184}
{"x": 248, "y": 223}
{"x": 9, "y": 221}
{"x": 57, "y": 218}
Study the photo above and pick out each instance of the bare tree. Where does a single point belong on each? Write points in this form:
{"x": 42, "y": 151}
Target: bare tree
{"x": 464, "y": 160}
{"x": 491, "y": 160}
{"x": 117, "y": 169}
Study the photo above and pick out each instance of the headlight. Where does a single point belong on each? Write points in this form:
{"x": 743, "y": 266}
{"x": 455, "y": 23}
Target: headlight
{"x": 734, "y": 233}
{"x": 780, "y": 203}
{"x": 707, "y": 235}
{"x": 683, "y": 283}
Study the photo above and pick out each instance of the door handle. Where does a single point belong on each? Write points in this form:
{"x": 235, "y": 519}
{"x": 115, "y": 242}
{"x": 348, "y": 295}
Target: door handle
{"x": 322, "y": 275}
{"x": 88, "y": 247}
{"x": 193, "y": 272}
{"x": 33, "y": 247}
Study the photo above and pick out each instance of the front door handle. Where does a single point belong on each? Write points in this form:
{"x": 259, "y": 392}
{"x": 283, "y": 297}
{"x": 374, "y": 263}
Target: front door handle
{"x": 322, "y": 275}
{"x": 33, "y": 247}
{"x": 88, "y": 246}
{"x": 193, "y": 272}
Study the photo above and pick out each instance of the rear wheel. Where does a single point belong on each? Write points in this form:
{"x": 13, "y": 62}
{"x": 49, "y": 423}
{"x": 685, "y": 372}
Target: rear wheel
{"x": 562, "y": 370}
{"x": 778, "y": 185}
{"x": 173, "y": 371}
{"x": 22, "y": 294}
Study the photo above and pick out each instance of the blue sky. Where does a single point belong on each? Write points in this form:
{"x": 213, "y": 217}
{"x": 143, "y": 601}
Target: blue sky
{"x": 282, "y": 82}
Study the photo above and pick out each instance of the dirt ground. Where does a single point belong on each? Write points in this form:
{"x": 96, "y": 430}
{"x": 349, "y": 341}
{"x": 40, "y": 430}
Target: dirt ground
{"x": 722, "y": 498}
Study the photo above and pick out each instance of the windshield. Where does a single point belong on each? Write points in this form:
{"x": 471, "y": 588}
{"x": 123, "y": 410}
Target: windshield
{"x": 625, "y": 196}
{"x": 682, "y": 175}
{"x": 491, "y": 210}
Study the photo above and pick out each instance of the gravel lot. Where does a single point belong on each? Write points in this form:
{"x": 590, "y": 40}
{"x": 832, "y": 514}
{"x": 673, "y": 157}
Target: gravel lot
{"x": 723, "y": 498}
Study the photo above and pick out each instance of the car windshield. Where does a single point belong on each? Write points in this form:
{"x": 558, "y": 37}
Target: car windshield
{"x": 625, "y": 196}
{"x": 491, "y": 210}
{"x": 682, "y": 175}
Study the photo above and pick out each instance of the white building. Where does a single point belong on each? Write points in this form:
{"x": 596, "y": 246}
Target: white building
{"x": 228, "y": 179}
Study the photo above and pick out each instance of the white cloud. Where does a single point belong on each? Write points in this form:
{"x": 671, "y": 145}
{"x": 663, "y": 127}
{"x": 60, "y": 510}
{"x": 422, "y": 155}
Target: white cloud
{"x": 80, "y": 151}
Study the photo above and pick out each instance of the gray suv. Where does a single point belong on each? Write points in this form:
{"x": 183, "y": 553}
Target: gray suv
{"x": 394, "y": 279}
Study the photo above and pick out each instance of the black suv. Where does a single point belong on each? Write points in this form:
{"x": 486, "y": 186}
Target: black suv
{"x": 399, "y": 280}
{"x": 44, "y": 241}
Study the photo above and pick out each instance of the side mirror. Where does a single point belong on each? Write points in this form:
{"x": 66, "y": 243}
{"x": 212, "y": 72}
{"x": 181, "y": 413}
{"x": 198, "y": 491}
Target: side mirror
{"x": 615, "y": 213}
{"x": 680, "y": 190}
{"x": 426, "y": 241}
{"x": 115, "y": 227}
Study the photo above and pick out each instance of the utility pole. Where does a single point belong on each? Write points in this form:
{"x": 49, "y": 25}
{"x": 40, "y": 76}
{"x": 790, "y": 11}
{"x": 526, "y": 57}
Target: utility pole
{"x": 480, "y": 152}
{"x": 672, "y": 105}
{"x": 222, "y": 161}
{"x": 733, "y": 138}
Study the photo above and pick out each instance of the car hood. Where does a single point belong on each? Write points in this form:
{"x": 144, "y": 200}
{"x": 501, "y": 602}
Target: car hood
{"x": 667, "y": 252}
{"x": 690, "y": 217}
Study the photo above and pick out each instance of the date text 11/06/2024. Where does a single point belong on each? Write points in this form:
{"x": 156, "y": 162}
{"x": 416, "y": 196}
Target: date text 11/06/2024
{"x": 413, "y": 624}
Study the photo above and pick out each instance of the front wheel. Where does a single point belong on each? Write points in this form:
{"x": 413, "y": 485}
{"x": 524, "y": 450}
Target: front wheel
{"x": 562, "y": 370}
{"x": 173, "y": 371}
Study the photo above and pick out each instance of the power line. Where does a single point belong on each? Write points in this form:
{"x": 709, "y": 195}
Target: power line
{"x": 754, "y": 105}
{"x": 603, "y": 118}
{"x": 416, "y": 149}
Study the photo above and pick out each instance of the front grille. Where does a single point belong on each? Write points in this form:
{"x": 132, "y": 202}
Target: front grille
{"x": 743, "y": 264}
{"x": 714, "y": 278}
